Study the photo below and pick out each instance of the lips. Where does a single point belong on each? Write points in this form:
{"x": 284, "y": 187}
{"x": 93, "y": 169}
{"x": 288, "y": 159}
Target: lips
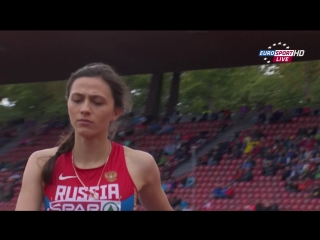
{"x": 84, "y": 120}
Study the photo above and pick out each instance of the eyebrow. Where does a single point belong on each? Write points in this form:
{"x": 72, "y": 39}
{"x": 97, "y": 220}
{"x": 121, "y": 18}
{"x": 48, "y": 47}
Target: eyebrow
{"x": 95, "y": 95}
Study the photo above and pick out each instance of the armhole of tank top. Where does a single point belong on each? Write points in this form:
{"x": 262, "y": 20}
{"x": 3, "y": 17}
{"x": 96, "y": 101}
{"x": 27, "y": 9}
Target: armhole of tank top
{"x": 135, "y": 190}
{"x": 44, "y": 187}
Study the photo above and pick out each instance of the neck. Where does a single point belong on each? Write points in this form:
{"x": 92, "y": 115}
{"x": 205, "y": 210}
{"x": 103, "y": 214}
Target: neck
{"x": 90, "y": 153}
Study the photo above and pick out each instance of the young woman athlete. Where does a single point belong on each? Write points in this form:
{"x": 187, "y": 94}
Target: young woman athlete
{"x": 87, "y": 171}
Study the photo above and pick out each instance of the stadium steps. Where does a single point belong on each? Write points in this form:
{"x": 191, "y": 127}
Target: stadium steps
{"x": 228, "y": 135}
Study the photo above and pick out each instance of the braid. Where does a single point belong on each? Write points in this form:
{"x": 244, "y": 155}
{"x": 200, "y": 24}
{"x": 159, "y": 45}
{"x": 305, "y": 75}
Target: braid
{"x": 66, "y": 145}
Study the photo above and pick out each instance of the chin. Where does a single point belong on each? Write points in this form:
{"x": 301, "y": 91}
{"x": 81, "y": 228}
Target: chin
{"x": 86, "y": 133}
{"x": 90, "y": 133}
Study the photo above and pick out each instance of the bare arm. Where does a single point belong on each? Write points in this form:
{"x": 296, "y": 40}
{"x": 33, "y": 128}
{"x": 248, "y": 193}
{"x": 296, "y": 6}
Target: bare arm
{"x": 31, "y": 193}
{"x": 152, "y": 195}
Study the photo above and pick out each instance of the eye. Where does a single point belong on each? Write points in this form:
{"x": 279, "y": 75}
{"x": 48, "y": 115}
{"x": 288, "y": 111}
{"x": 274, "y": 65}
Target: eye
{"x": 98, "y": 103}
{"x": 76, "y": 100}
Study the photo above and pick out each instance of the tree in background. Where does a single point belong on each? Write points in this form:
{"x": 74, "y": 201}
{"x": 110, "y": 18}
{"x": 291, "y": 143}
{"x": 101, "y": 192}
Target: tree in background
{"x": 283, "y": 85}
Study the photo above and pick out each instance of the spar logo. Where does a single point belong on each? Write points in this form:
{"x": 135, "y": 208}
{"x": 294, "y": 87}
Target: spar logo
{"x": 85, "y": 206}
{"x": 280, "y": 53}
{"x": 110, "y": 207}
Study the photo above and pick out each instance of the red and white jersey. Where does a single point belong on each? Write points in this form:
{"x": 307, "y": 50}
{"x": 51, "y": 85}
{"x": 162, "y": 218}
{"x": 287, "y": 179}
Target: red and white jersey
{"x": 116, "y": 191}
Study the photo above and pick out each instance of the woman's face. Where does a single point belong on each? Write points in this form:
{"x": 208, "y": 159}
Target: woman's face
{"x": 91, "y": 107}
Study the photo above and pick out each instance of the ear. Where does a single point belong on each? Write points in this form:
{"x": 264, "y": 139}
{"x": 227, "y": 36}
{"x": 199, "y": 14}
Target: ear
{"x": 117, "y": 114}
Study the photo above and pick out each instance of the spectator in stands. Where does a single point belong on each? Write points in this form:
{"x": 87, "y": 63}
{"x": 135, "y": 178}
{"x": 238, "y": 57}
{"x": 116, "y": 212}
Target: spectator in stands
{"x": 281, "y": 161}
{"x": 214, "y": 116}
{"x": 269, "y": 168}
{"x": 249, "y": 164}
{"x": 227, "y": 115}
{"x": 14, "y": 177}
{"x": 207, "y": 206}
{"x": 183, "y": 204}
{"x": 317, "y": 135}
{"x": 183, "y": 179}
{"x": 294, "y": 175}
{"x": 218, "y": 192}
{"x": 229, "y": 192}
{"x": 164, "y": 185}
{"x": 177, "y": 208}
{"x": 176, "y": 116}
{"x": 169, "y": 167}
{"x": 7, "y": 192}
{"x": 186, "y": 137}
{"x": 203, "y": 160}
{"x": 235, "y": 152}
{"x": 24, "y": 142}
{"x": 286, "y": 174}
{"x": 250, "y": 207}
{"x": 167, "y": 128}
{"x": 247, "y": 176}
{"x": 302, "y": 132}
{"x": 214, "y": 157}
{"x": 175, "y": 201}
{"x": 187, "y": 208}
{"x": 267, "y": 206}
{"x": 5, "y": 166}
{"x": 274, "y": 207}
{"x": 201, "y": 139}
{"x": 307, "y": 167}
{"x": 270, "y": 156}
{"x": 178, "y": 137}
{"x": 223, "y": 192}
{"x": 165, "y": 173}
{"x": 170, "y": 148}
{"x": 317, "y": 173}
{"x": 306, "y": 111}
{"x": 223, "y": 147}
{"x": 238, "y": 174}
{"x": 204, "y": 116}
{"x": 275, "y": 117}
{"x": 121, "y": 132}
{"x": 139, "y": 129}
{"x": 270, "y": 207}
{"x": 305, "y": 184}
{"x": 286, "y": 117}
{"x": 257, "y": 148}
{"x": 153, "y": 128}
{"x": 259, "y": 207}
{"x": 315, "y": 158}
{"x": 308, "y": 145}
{"x": 168, "y": 186}
{"x": 315, "y": 193}
{"x": 190, "y": 181}
{"x": 262, "y": 118}
{"x": 251, "y": 143}
{"x": 163, "y": 159}
{"x": 291, "y": 186}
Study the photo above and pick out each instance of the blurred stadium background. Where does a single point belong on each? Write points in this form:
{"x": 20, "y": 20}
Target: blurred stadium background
{"x": 244, "y": 138}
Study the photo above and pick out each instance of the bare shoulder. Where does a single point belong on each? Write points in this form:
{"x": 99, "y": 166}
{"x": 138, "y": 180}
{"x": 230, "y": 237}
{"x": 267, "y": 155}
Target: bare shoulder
{"x": 146, "y": 176}
{"x": 31, "y": 193}
{"x": 141, "y": 159}
{"x": 40, "y": 157}
{"x": 141, "y": 166}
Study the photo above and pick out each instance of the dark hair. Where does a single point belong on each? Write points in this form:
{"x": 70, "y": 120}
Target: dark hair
{"x": 122, "y": 100}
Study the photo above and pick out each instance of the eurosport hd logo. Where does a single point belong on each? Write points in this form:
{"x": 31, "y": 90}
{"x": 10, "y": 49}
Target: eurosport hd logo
{"x": 280, "y": 53}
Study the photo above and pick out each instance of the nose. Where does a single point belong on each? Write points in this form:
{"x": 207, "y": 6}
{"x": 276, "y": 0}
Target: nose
{"x": 85, "y": 108}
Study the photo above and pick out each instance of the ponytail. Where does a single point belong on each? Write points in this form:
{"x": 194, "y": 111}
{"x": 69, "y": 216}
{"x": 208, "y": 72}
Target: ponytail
{"x": 65, "y": 146}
